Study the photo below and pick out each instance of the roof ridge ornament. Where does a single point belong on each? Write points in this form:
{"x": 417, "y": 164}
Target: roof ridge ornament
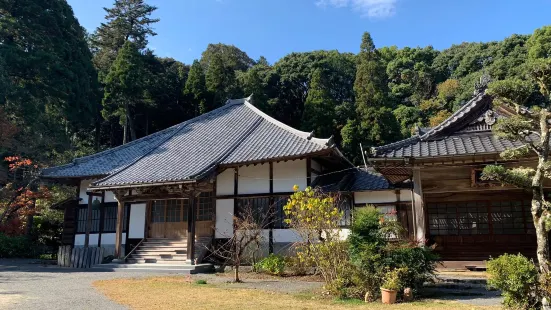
{"x": 482, "y": 84}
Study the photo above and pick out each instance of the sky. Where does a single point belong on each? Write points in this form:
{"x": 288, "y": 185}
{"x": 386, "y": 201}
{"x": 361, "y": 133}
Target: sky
{"x": 274, "y": 28}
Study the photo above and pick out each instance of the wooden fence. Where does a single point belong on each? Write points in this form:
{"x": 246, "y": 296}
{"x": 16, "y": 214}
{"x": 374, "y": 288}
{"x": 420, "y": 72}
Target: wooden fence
{"x": 79, "y": 257}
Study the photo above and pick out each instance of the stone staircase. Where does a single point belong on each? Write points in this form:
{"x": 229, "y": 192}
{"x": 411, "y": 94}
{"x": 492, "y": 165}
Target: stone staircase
{"x": 168, "y": 251}
{"x": 165, "y": 255}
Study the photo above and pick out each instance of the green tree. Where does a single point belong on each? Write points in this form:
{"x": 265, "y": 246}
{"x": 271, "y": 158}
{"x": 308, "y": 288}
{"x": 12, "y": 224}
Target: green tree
{"x": 124, "y": 88}
{"x": 374, "y": 122}
{"x": 49, "y": 81}
{"x": 319, "y": 108}
{"x": 533, "y": 127}
{"x": 196, "y": 89}
{"x": 127, "y": 20}
{"x": 218, "y": 79}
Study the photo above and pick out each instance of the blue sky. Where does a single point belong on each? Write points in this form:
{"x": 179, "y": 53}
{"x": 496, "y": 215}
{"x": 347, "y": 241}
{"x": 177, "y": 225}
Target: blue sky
{"x": 274, "y": 28}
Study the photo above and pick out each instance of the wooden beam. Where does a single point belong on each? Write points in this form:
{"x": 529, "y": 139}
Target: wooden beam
{"x": 88, "y": 222}
{"x": 119, "y": 226}
{"x": 418, "y": 208}
{"x": 101, "y": 217}
{"x": 272, "y": 211}
{"x": 193, "y": 204}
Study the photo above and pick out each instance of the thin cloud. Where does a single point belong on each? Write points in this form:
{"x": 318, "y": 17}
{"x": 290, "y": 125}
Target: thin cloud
{"x": 366, "y": 8}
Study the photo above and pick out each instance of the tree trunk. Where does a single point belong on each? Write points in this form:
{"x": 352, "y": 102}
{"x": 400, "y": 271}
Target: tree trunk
{"x": 538, "y": 197}
{"x": 130, "y": 122}
{"x": 236, "y": 274}
{"x": 125, "y": 132}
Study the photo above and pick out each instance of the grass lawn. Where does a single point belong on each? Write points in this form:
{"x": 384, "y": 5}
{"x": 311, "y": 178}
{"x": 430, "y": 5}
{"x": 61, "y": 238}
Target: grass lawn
{"x": 179, "y": 293}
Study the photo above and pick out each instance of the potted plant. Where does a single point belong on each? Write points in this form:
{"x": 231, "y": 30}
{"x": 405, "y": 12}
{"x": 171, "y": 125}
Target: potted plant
{"x": 390, "y": 287}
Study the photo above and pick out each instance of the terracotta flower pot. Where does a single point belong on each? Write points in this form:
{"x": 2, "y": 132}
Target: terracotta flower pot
{"x": 388, "y": 296}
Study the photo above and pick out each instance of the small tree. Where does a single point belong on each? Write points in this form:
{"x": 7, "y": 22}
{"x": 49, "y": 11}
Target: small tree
{"x": 315, "y": 217}
{"x": 248, "y": 226}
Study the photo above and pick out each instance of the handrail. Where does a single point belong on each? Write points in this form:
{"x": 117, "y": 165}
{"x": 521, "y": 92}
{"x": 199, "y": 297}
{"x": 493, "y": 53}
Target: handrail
{"x": 132, "y": 251}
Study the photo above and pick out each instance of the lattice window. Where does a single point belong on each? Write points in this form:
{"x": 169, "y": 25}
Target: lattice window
{"x": 508, "y": 217}
{"x": 260, "y": 208}
{"x": 82, "y": 218}
{"x": 205, "y": 207}
{"x": 173, "y": 211}
{"x": 480, "y": 217}
{"x": 279, "y": 214}
{"x": 158, "y": 211}
{"x": 110, "y": 217}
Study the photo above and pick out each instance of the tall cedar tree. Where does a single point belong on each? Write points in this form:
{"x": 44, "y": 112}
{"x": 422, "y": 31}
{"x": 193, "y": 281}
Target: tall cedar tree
{"x": 217, "y": 79}
{"x": 48, "y": 81}
{"x": 374, "y": 123}
{"x": 127, "y": 20}
{"x": 532, "y": 126}
{"x": 124, "y": 88}
{"x": 319, "y": 108}
{"x": 196, "y": 89}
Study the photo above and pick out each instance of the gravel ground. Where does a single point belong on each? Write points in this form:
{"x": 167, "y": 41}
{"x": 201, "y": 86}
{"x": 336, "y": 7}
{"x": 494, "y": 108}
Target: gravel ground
{"x": 24, "y": 285}
{"x": 33, "y": 286}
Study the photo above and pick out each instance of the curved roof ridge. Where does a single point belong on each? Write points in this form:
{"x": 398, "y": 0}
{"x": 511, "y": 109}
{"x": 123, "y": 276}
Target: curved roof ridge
{"x": 455, "y": 117}
{"x": 303, "y": 134}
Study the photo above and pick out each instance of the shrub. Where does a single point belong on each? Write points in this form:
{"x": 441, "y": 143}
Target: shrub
{"x": 517, "y": 278}
{"x": 295, "y": 266}
{"x": 17, "y": 246}
{"x": 393, "y": 279}
{"x": 420, "y": 263}
{"x": 273, "y": 264}
{"x": 201, "y": 282}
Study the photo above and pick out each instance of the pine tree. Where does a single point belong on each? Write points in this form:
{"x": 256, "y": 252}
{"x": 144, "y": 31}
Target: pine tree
{"x": 127, "y": 20}
{"x": 196, "y": 89}
{"x": 533, "y": 127}
{"x": 125, "y": 88}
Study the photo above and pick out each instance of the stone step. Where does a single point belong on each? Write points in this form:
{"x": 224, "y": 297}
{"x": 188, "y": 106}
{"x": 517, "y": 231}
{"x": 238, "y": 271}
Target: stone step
{"x": 160, "y": 252}
{"x": 169, "y": 268}
{"x": 155, "y": 256}
{"x": 146, "y": 243}
{"x": 161, "y": 248}
{"x": 152, "y": 260}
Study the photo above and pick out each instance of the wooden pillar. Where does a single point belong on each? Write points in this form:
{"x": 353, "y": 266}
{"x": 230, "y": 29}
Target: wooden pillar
{"x": 191, "y": 228}
{"x": 273, "y": 211}
{"x": 418, "y": 208}
{"x": 119, "y": 226}
{"x": 308, "y": 171}
{"x": 88, "y": 222}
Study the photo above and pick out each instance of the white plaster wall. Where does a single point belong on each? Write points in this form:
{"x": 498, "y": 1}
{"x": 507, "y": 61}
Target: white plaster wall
{"x": 254, "y": 179}
{"x": 106, "y": 239}
{"x": 289, "y": 173}
{"x": 84, "y": 184}
{"x": 110, "y": 238}
{"x": 224, "y": 218}
{"x": 225, "y": 182}
{"x": 79, "y": 239}
{"x": 137, "y": 220}
{"x": 385, "y": 196}
{"x": 110, "y": 197}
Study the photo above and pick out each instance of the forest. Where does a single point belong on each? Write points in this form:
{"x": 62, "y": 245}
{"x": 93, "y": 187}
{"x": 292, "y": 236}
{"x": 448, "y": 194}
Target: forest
{"x": 65, "y": 93}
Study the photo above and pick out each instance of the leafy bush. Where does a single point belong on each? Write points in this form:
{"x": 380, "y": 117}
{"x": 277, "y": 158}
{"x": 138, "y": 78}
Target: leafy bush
{"x": 296, "y": 266}
{"x": 392, "y": 279}
{"x": 17, "y": 246}
{"x": 517, "y": 278}
{"x": 420, "y": 263}
{"x": 273, "y": 264}
{"x": 201, "y": 282}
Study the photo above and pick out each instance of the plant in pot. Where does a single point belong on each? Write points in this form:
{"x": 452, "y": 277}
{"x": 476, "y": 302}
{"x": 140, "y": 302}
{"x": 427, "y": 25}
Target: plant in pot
{"x": 391, "y": 285}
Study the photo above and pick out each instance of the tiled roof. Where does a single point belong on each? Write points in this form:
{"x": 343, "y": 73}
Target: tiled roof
{"x": 367, "y": 180}
{"x": 466, "y": 132}
{"x": 354, "y": 180}
{"x": 235, "y": 133}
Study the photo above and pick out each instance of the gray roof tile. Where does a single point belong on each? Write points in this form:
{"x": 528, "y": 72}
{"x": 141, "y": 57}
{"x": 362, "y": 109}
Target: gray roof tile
{"x": 236, "y": 133}
{"x": 450, "y": 137}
